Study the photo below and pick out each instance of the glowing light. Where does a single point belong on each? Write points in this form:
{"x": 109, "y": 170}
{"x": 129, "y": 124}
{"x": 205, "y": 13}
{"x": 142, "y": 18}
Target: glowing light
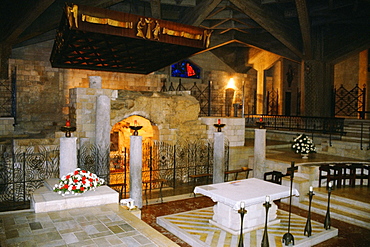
{"x": 231, "y": 84}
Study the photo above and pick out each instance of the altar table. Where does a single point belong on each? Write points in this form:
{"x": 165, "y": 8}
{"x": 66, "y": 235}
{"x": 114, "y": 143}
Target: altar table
{"x": 252, "y": 192}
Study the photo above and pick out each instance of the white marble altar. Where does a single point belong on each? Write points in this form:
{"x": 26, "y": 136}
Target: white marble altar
{"x": 252, "y": 192}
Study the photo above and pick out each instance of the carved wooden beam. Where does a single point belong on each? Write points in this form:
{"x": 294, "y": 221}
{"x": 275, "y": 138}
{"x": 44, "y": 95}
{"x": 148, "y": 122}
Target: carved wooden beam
{"x": 272, "y": 22}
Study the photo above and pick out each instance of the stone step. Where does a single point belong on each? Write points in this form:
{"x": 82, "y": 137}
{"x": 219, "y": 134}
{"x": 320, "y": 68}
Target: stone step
{"x": 344, "y": 209}
{"x": 45, "y": 200}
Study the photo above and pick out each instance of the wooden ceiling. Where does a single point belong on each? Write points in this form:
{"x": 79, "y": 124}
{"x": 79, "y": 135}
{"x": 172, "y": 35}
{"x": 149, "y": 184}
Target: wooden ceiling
{"x": 326, "y": 30}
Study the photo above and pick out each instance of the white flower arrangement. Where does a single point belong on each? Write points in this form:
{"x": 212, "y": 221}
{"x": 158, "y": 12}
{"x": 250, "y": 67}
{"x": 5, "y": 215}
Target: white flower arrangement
{"x": 303, "y": 145}
{"x": 78, "y": 182}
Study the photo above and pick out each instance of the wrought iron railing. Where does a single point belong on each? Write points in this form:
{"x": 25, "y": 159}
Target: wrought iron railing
{"x": 323, "y": 125}
{"x": 350, "y": 102}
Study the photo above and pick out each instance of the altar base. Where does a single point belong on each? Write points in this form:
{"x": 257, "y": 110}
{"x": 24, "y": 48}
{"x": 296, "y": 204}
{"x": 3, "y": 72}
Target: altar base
{"x": 45, "y": 199}
{"x": 228, "y": 219}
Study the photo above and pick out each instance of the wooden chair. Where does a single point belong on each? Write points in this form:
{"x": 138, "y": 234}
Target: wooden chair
{"x": 236, "y": 173}
{"x": 274, "y": 177}
{"x": 195, "y": 177}
{"x": 148, "y": 184}
{"x": 341, "y": 174}
{"x": 357, "y": 171}
{"x": 324, "y": 173}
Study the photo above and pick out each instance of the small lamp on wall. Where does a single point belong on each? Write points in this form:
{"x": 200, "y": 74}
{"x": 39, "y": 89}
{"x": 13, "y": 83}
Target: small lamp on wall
{"x": 229, "y": 96}
{"x": 67, "y": 128}
{"x": 135, "y": 128}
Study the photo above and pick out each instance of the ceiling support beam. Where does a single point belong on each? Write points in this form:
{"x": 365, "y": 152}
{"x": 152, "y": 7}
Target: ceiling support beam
{"x": 155, "y": 6}
{"x": 304, "y": 22}
{"x": 272, "y": 22}
{"x": 27, "y": 20}
{"x": 200, "y": 12}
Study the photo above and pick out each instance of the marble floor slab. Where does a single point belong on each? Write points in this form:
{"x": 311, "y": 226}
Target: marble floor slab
{"x": 104, "y": 225}
{"x": 194, "y": 228}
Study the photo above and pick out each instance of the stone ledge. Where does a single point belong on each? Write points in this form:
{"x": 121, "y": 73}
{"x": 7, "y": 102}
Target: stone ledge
{"x": 46, "y": 200}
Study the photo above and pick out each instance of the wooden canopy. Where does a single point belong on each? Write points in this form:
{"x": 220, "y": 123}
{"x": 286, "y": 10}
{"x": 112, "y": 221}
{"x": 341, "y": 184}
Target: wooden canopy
{"x": 101, "y": 39}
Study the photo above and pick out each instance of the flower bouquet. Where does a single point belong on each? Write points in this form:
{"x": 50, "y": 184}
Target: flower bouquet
{"x": 303, "y": 145}
{"x": 77, "y": 182}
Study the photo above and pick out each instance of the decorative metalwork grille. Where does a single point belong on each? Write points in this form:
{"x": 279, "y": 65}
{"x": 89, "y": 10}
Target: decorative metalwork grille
{"x": 272, "y": 102}
{"x": 351, "y": 102}
{"x": 171, "y": 163}
{"x": 24, "y": 171}
{"x": 95, "y": 159}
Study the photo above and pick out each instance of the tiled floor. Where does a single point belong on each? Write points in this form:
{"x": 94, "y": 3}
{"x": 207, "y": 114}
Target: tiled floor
{"x": 108, "y": 225}
{"x": 195, "y": 229}
{"x": 349, "y": 235}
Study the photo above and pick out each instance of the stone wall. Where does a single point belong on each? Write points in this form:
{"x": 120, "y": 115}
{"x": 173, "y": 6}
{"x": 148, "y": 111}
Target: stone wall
{"x": 234, "y": 129}
{"x": 6, "y": 126}
{"x": 175, "y": 115}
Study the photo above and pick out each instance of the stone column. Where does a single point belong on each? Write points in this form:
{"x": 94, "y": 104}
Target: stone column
{"x": 218, "y": 158}
{"x": 259, "y": 164}
{"x": 136, "y": 164}
{"x": 102, "y": 122}
{"x": 68, "y": 155}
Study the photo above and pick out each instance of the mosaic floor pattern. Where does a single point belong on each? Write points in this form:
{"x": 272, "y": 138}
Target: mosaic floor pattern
{"x": 194, "y": 228}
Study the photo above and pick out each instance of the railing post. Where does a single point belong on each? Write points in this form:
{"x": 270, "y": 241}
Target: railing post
{"x": 209, "y": 97}
{"x": 174, "y": 166}
{"x": 14, "y": 95}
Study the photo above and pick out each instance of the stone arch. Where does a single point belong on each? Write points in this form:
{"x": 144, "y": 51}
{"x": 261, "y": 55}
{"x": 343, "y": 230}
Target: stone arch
{"x": 121, "y": 132}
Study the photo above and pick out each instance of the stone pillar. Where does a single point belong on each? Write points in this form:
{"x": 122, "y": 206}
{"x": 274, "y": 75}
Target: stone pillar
{"x": 218, "y": 158}
{"x": 259, "y": 164}
{"x": 68, "y": 155}
{"x": 136, "y": 164}
{"x": 102, "y": 122}
{"x": 95, "y": 82}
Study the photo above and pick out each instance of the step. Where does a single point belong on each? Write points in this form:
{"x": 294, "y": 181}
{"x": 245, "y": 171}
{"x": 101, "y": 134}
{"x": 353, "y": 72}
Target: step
{"x": 45, "y": 200}
{"x": 344, "y": 209}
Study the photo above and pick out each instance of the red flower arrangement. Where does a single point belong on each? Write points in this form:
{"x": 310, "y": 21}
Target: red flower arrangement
{"x": 78, "y": 182}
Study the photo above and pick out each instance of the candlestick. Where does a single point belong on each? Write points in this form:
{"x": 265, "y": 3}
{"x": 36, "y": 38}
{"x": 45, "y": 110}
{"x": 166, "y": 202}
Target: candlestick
{"x": 308, "y": 227}
{"x": 327, "y": 222}
{"x": 67, "y": 128}
{"x": 330, "y": 184}
{"x": 241, "y": 211}
{"x": 265, "y": 238}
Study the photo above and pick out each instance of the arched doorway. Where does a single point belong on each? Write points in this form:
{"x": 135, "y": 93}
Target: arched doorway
{"x": 119, "y": 149}
{"x": 121, "y": 132}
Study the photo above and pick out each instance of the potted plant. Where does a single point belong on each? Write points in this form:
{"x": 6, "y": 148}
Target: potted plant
{"x": 303, "y": 145}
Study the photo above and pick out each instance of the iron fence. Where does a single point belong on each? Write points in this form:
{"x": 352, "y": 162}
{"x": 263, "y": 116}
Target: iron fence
{"x": 23, "y": 171}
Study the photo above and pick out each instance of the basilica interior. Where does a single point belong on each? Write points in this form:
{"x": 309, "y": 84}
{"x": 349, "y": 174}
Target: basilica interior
{"x": 214, "y": 92}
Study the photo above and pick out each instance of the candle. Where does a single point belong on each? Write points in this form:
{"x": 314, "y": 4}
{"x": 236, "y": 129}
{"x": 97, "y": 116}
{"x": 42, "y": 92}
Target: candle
{"x": 330, "y": 184}
{"x": 311, "y": 188}
{"x": 267, "y": 199}
{"x": 68, "y": 123}
{"x": 135, "y": 123}
{"x": 261, "y": 119}
{"x": 242, "y": 204}
{"x": 219, "y": 121}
